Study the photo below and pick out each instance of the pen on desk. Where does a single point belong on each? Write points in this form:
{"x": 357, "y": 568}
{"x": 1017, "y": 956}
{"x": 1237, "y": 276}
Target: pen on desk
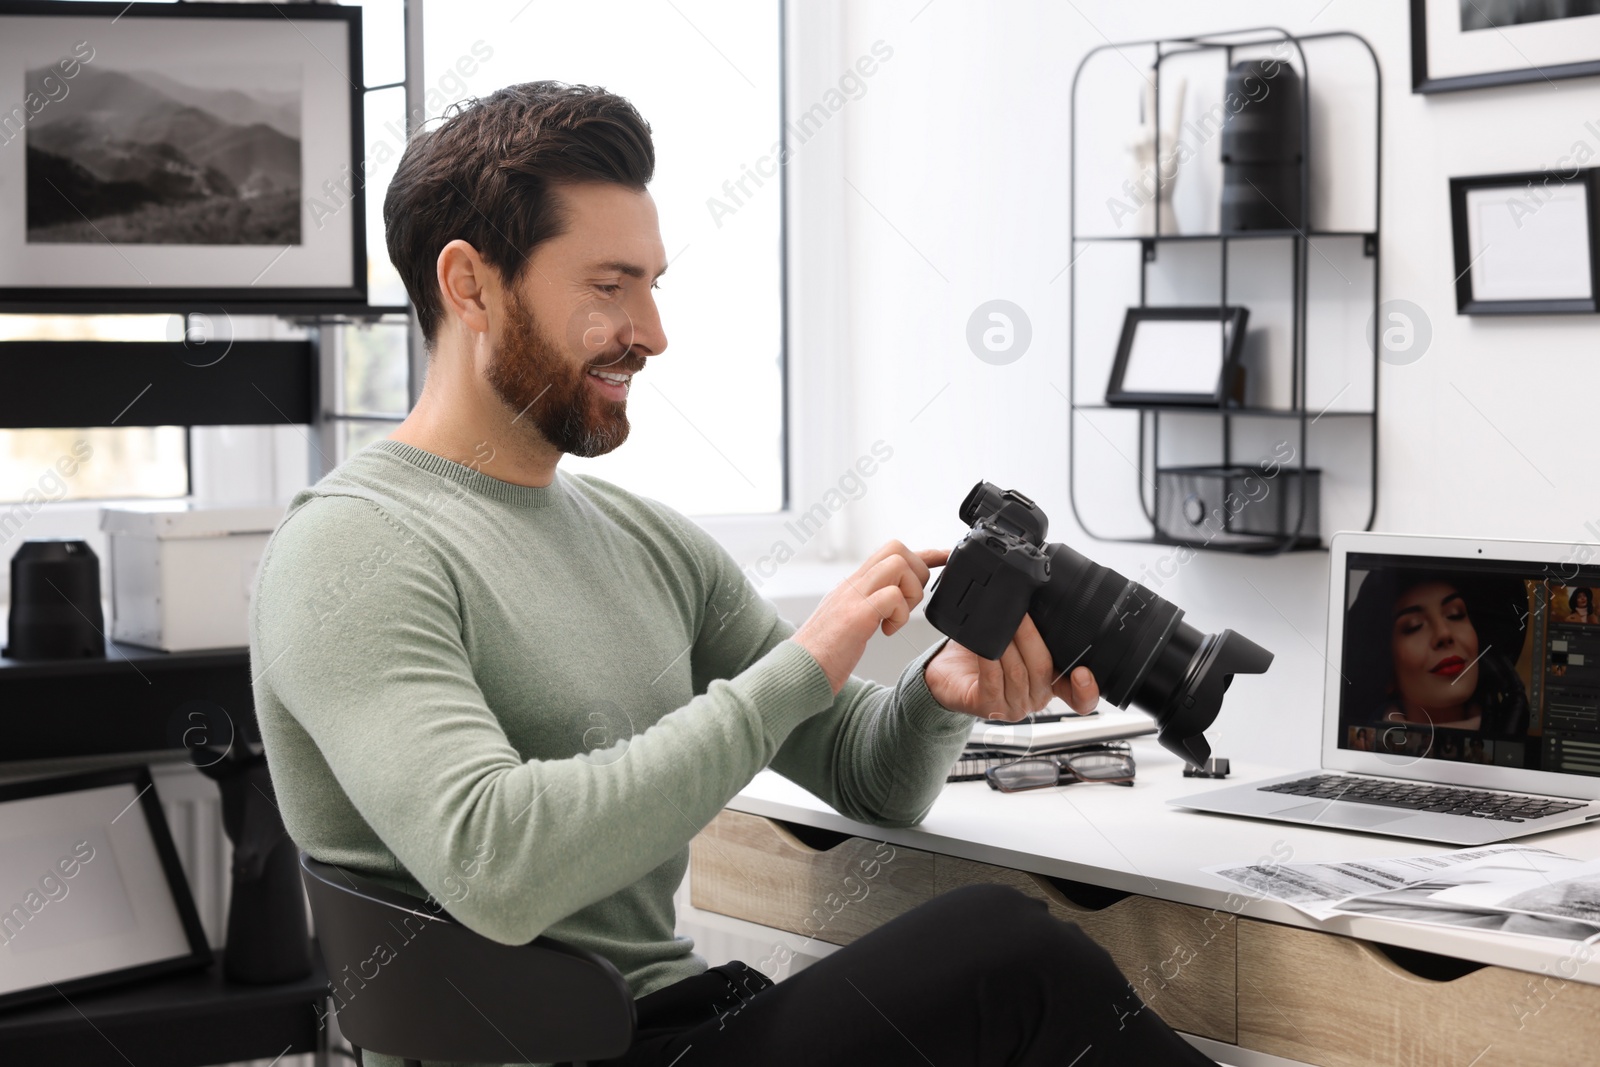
{"x": 1053, "y": 716}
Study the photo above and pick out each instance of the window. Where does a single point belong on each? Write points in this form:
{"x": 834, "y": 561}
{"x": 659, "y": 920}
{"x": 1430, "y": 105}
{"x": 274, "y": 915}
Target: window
{"x": 708, "y": 415}
{"x": 371, "y": 382}
{"x": 93, "y": 464}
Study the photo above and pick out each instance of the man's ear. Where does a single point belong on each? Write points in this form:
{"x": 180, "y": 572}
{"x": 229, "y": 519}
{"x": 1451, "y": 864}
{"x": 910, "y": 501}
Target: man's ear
{"x": 464, "y": 284}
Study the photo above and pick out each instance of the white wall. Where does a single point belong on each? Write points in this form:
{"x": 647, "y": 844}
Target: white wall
{"x": 959, "y": 153}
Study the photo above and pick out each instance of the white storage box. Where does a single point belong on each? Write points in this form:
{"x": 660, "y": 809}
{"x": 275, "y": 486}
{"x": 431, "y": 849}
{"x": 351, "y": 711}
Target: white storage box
{"x": 182, "y": 573}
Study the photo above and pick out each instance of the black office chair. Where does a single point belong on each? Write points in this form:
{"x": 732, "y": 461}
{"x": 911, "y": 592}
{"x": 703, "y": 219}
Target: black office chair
{"x": 412, "y": 982}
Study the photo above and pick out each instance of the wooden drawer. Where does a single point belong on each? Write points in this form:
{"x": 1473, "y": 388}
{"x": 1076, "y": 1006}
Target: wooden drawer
{"x": 1336, "y": 1001}
{"x": 835, "y": 888}
{"x": 1179, "y": 958}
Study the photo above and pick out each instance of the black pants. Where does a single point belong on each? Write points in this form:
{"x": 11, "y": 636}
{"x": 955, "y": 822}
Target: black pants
{"x": 979, "y": 977}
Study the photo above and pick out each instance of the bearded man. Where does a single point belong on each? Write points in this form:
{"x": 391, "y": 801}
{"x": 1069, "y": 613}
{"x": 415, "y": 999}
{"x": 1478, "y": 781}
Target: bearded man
{"x": 523, "y": 691}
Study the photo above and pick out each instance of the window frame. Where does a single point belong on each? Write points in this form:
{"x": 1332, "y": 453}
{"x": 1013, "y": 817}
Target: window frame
{"x": 815, "y": 303}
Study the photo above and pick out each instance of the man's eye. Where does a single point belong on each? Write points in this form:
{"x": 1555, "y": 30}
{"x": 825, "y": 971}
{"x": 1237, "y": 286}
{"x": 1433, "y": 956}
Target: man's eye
{"x": 608, "y": 288}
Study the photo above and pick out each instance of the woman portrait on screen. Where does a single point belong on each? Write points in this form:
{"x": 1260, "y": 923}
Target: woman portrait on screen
{"x": 1580, "y": 605}
{"x": 1439, "y": 648}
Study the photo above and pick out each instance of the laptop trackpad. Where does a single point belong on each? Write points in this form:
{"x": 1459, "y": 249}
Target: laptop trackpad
{"x": 1330, "y": 813}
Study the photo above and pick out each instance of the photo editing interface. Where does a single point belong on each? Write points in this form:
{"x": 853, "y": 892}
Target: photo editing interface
{"x": 1492, "y": 662}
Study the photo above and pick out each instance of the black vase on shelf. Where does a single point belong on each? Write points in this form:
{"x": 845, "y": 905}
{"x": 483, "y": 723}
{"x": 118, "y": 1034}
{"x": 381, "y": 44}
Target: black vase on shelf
{"x": 1262, "y": 154}
{"x": 268, "y": 940}
{"x": 55, "y": 602}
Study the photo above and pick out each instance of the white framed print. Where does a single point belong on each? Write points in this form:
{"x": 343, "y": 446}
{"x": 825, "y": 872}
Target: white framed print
{"x": 174, "y": 155}
{"x": 1477, "y": 44}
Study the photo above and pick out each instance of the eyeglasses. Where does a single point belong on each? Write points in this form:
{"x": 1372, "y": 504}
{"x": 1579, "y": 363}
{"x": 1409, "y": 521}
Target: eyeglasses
{"x": 1111, "y": 765}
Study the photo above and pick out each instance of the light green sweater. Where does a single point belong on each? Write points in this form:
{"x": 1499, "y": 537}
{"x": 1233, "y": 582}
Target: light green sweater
{"x": 526, "y": 701}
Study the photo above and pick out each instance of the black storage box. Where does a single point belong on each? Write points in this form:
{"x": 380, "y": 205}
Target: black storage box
{"x": 1237, "y": 505}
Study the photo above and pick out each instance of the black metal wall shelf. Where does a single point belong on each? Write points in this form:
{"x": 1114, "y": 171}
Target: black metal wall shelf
{"x": 73, "y": 384}
{"x": 1296, "y": 536}
{"x": 1237, "y": 412}
{"x": 1239, "y": 235}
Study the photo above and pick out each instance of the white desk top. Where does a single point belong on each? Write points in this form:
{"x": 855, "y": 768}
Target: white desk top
{"x": 1129, "y": 839}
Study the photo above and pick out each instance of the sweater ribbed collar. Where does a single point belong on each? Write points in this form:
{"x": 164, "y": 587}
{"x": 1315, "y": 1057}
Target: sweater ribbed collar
{"x": 522, "y": 496}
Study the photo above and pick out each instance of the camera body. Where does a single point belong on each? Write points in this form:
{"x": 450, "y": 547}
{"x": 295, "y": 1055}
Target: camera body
{"x": 1137, "y": 645}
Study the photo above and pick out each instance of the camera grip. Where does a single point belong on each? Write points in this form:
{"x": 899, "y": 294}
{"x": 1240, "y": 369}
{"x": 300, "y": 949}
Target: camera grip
{"x": 984, "y": 592}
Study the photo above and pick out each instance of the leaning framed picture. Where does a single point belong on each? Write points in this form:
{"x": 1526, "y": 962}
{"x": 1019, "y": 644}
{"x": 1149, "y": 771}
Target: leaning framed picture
{"x": 1525, "y": 244}
{"x": 91, "y": 890}
{"x": 1475, "y": 44}
{"x": 1178, "y": 356}
{"x": 176, "y": 156}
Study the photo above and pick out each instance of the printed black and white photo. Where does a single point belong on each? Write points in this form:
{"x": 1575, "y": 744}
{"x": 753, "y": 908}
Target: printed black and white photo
{"x": 195, "y": 155}
{"x": 1492, "y": 14}
{"x": 1576, "y": 898}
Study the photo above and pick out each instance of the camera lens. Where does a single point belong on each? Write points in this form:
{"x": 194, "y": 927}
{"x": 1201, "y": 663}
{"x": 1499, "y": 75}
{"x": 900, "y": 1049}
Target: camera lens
{"x": 1091, "y": 615}
{"x": 1139, "y": 649}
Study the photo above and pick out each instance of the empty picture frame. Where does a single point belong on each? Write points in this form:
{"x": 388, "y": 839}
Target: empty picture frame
{"x": 180, "y": 154}
{"x": 91, "y": 890}
{"x": 1525, "y": 243}
{"x": 1177, "y": 355}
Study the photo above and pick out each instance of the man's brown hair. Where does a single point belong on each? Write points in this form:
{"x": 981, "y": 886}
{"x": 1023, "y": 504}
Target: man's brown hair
{"x": 486, "y": 176}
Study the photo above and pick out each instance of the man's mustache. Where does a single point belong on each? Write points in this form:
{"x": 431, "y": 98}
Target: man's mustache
{"x": 626, "y": 361}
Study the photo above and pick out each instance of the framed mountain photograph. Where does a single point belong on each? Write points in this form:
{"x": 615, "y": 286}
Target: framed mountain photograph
{"x": 174, "y": 155}
{"x": 1478, "y": 44}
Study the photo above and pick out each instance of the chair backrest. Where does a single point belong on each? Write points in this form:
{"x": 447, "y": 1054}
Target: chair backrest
{"x": 409, "y": 981}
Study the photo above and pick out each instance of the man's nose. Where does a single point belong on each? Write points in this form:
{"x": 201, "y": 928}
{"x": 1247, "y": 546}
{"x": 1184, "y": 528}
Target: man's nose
{"x": 649, "y": 338}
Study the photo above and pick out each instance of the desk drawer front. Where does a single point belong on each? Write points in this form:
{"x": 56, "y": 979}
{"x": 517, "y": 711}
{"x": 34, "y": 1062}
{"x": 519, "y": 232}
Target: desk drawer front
{"x": 1339, "y": 1002}
{"x": 1179, "y": 958}
{"x": 752, "y": 868}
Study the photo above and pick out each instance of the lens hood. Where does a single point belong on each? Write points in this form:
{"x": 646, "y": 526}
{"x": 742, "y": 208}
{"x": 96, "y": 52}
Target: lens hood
{"x": 1194, "y": 706}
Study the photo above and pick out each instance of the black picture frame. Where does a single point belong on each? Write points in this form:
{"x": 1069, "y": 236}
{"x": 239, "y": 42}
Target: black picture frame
{"x": 149, "y": 804}
{"x": 1467, "y": 301}
{"x": 102, "y": 19}
{"x": 1230, "y": 338}
{"x": 1423, "y": 82}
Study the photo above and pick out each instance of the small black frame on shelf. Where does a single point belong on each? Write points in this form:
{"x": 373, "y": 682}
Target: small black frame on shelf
{"x": 1230, "y": 340}
{"x": 196, "y": 951}
{"x": 1517, "y": 190}
{"x": 1295, "y": 536}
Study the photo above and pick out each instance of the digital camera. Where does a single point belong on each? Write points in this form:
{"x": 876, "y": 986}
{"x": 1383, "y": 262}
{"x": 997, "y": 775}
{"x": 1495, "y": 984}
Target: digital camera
{"x": 1137, "y": 645}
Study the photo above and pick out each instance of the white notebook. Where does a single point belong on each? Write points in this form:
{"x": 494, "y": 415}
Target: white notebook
{"x": 1104, "y": 725}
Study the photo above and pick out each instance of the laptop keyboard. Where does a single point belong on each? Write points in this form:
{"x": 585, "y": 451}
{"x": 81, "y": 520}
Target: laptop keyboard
{"x": 1418, "y": 796}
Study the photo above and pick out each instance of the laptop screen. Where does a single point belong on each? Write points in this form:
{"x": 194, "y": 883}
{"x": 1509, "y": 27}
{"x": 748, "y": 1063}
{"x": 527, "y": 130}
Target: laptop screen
{"x": 1490, "y": 662}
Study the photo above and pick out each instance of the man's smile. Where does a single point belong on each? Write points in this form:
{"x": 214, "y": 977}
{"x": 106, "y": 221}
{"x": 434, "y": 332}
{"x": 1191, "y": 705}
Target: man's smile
{"x": 613, "y": 385}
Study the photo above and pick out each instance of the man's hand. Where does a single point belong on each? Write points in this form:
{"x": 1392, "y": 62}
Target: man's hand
{"x": 879, "y": 595}
{"x": 1022, "y": 681}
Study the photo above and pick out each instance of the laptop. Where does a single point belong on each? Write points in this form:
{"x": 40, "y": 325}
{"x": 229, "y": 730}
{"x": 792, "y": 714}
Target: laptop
{"x": 1462, "y": 698}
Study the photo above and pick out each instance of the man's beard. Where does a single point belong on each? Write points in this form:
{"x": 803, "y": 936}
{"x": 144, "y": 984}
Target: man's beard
{"x": 538, "y": 381}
